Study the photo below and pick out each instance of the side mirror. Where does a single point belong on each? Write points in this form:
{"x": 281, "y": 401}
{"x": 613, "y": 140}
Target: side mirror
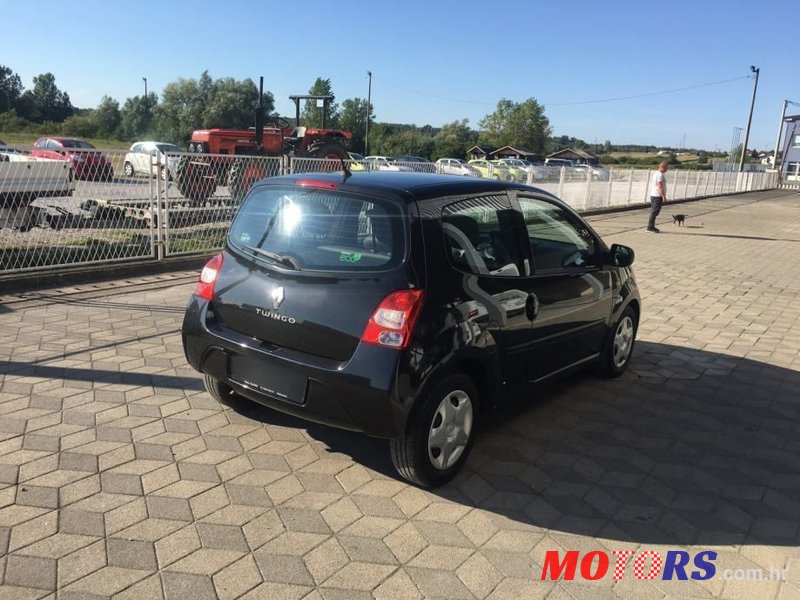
{"x": 620, "y": 256}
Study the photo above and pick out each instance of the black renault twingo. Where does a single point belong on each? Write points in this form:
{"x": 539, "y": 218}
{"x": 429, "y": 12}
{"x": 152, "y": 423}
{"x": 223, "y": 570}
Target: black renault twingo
{"x": 402, "y": 305}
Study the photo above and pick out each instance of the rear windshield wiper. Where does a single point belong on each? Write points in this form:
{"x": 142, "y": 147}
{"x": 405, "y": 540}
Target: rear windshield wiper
{"x": 280, "y": 259}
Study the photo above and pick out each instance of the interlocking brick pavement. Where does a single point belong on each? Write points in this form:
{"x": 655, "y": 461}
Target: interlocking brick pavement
{"x": 121, "y": 478}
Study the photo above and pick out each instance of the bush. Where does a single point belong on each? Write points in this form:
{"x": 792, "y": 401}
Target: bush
{"x": 79, "y": 126}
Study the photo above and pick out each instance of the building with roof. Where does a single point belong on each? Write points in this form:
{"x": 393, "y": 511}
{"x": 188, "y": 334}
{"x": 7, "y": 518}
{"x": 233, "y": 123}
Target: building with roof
{"x": 790, "y": 169}
{"x": 579, "y": 156}
{"x": 479, "y": 152}
{"x": 515, "y": 152}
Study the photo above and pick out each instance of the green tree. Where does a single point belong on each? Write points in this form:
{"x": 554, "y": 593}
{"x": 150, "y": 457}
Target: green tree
{"x": 135, "y": 116}
{"x": 181, "y": 108}
{"x": 107, "y": 117}
{"x": 10, "y": 88}
{"x": 189, "y": 104}
{"x": 312, "y": 114}
{"x": 83, "y": 126}
{"x": 233, "y": 104}
{"x": 353, "y": 118}
{"x": 453, "y": 140}
{"x": 606, "y": 149}
{"x": 390, "y": 140}
{"x": 517, "y": 123}
{"x": 44, "y": 102}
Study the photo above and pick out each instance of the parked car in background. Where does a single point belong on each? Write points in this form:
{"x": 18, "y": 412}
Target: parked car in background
{"x": 456, "y": 166}
{"x": 384, "y": 163}
{"x": 146, "y": 158}
{"x": 8, "y": 154}
{"x": 416, "y": 163}
{"x": 559, "y": 162}
{"x": 406, "y": 306}
{"x": 597, "y": 173}
{"x": 537, "y": 170}
{"x": 356, "y": 161}
{"x": 519, "y": 175}
{"x": 87, "y": 161}
{"x": 489, "y": 170}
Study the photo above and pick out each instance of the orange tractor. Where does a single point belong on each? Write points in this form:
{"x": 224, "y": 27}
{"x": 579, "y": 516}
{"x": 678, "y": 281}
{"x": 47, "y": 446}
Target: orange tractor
{"x": 229, "y": 155}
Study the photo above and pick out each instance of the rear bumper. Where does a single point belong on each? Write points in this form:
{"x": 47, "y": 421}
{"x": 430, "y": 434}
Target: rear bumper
{"x": 359, "y": 394}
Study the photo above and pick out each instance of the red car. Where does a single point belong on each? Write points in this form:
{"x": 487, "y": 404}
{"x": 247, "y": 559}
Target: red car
{"x": 87, "y": 161}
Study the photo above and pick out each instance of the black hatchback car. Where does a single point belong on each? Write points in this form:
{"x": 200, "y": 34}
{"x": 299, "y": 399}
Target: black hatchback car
{"x": 402, "y": 305}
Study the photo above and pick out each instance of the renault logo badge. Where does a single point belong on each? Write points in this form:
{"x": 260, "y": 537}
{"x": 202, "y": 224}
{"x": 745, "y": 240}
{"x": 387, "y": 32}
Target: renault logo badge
{"x": 277, "y": 296}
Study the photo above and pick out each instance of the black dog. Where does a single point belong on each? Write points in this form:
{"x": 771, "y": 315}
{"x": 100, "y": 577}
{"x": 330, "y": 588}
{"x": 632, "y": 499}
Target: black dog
{"x": 678, "y": 219}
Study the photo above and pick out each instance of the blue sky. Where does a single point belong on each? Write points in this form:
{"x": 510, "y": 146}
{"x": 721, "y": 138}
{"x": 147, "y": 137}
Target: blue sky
{"x": 437, "y": 61}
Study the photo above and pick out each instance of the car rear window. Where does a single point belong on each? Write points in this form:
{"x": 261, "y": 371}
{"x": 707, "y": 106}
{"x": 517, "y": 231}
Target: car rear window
{"x": 318, "y": 229}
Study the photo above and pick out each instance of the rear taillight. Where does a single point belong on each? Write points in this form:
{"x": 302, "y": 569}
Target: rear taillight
{"x": 393, "y": 321}
{"x": 208, "y": 278}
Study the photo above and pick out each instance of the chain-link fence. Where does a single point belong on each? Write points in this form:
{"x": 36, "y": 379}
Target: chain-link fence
{"x": 199, "y": 197}
{"x": 97, "y": 207}
{"x": 76, "y": 209}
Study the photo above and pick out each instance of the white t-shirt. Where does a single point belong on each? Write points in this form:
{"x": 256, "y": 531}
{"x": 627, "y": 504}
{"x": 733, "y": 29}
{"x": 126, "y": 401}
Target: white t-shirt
{"x": 654, "y": 191}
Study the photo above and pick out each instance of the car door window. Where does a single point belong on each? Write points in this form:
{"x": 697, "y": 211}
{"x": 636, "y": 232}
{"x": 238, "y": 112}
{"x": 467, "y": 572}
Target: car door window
{"x": 558, "y": 240}
{"x": 480, "y": 236}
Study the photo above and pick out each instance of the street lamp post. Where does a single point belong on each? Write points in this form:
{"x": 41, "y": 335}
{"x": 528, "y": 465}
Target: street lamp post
{"x": 749, "y": 118}
{"x": 778, "y": 138}
{"x": 369, "y": 110}
{"x": 146, "y": 107}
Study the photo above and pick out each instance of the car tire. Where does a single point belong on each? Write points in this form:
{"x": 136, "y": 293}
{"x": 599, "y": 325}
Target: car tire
{"x": 219, "y": 390}
{"x": 619, "y": 346}
{"x": 129, "y": 170}
{"x": 448, "y": 409}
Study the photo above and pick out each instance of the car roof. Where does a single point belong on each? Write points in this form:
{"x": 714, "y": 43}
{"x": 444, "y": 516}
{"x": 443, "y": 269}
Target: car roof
{"x": 410, "y": 186}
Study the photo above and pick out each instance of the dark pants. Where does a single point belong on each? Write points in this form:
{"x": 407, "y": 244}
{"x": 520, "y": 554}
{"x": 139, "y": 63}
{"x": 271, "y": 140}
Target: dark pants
{"x": 655, "y": 208}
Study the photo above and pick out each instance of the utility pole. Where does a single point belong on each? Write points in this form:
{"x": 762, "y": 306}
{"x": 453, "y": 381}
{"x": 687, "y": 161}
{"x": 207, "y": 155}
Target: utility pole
{"x": 749, "y": 119}
{"x": 369, "y": 110}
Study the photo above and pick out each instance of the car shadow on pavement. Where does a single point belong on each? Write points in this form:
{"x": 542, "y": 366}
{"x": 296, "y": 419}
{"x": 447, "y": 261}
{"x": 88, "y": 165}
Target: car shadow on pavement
{"x": 687, "y": 447}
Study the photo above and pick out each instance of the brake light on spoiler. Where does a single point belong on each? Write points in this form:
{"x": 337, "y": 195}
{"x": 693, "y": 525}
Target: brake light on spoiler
{"x": 316, "y": 183}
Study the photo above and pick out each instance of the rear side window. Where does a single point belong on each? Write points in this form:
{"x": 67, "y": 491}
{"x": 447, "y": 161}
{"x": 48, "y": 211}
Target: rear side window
{"x": 480, "y": 236}
{"x": 319, "y": 230}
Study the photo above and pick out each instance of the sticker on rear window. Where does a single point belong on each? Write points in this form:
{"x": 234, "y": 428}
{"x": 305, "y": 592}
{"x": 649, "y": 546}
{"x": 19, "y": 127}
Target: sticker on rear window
{"x": 349, "y": 257}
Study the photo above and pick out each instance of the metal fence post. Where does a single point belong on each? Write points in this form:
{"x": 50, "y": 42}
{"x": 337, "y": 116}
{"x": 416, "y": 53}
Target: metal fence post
{"x": 696, "y": 185}
{"x": 588, "y": 189}
{"x": 647, "y": 187}
{"x": 157, "y": 218}
{"x": 610, "y": 188}
{"x": 630, "y": 188}
{"x": 561, "y": 183}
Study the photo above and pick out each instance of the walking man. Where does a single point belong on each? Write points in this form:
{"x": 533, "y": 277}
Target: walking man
{"x": 658, "y": 195}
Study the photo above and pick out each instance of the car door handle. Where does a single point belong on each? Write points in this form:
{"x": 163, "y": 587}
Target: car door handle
{"x": 532, "y": 306}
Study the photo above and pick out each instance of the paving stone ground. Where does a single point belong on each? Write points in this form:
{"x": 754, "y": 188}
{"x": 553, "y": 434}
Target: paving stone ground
{"x": 121, "y": 478}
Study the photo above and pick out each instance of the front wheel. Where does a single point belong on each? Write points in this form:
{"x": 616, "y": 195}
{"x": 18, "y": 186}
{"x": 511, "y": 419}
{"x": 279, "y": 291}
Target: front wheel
{"x": 440, "y": 433}
{"x": 619, "y": 347}
{"x": 128, "y": 168}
